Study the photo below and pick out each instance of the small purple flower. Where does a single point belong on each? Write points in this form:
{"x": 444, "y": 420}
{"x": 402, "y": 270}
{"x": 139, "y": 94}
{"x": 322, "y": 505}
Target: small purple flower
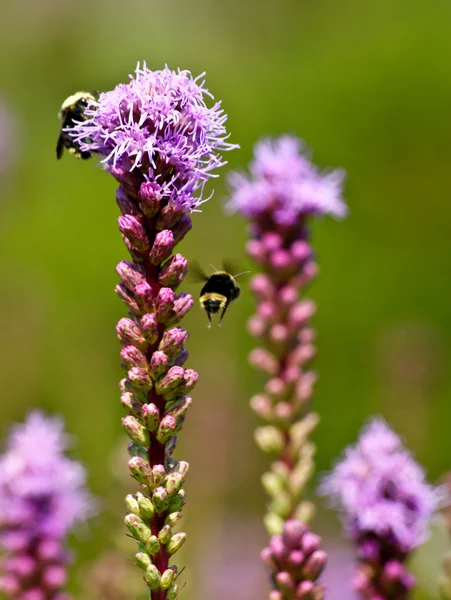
{"x": 162, "y": 143}
{"x": 386, "y": 506}
{"x": 43, "y": 496}
{"x": 284, "y": 183}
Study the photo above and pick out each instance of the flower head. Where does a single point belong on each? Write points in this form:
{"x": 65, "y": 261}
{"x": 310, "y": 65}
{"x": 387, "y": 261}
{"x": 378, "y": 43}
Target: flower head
{"x": 285, "y": 184}
{"x": 42, "y": 492}
{"x": 381, "y": 489}
{"x": 158, "y": 124}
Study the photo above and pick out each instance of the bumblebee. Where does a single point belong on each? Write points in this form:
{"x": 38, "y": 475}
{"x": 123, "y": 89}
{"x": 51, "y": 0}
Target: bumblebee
{"x": 219, "y": 290}
{"x": 72, "y": 110}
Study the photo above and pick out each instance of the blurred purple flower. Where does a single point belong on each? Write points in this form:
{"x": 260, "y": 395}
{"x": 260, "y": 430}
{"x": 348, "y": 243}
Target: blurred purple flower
{"x": 386, "y": 506}
{"x": 286, "y": 184}
{"x": 159, "y": 125}
{"x": 42, "y": 497}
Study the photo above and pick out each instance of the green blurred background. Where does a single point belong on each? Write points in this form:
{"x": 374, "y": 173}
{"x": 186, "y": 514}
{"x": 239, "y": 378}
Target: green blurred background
{"x": 367, "y": 86}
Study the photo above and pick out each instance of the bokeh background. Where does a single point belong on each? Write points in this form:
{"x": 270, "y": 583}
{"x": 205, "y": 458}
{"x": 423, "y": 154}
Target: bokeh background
{"x": 368, "y": 87}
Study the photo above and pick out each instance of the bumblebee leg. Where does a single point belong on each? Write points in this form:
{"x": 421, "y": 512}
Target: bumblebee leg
{"x": 222, "y": 315}
{"x": 209, "y": 320}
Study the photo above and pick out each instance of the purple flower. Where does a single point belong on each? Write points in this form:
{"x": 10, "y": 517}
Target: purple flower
{"x": 381, "y": 489}
{"x": 386, "y": 506}
{"x": 284, "y": 183}
{"x": 162, "y": 143}
{"x": 43, "y": 496}
{"x": 160, "y": 125}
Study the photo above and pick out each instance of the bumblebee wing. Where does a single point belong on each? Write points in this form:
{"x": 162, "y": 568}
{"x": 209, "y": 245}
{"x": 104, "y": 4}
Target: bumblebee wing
{"x": 195, "y": 272}
{"x": 233, "y": 268}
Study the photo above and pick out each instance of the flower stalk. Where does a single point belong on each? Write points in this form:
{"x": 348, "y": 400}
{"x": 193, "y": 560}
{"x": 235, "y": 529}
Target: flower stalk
{"x": 161, "y": 143}
{"x": 279, "y": 198}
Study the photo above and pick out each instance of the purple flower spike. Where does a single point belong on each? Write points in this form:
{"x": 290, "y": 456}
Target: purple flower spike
{"x": 386, "y": 506}
{"x": 294, "y": 565}
{"x": 282, "y": 193}
{"x": 161, "y": 141}
{"x": 42, "y": 497}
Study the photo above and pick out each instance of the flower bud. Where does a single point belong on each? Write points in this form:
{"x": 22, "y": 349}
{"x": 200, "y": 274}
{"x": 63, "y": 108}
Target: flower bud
{"x": 149, "y": 327}
{"x": 153, "y": 545}
{"x": 174, "y": 482}
{"x": 149, "y": 198}
{"x": 137, "y": 528}
{"x": 172, "y": 379}
{"x": 145, "y": 506}
{"x": 144, "y": 297}
{"x": 169, "y": 215}
{"x": 151, "y": 416}
{"x": 158, "y": 476}
{"x": 127, "y": 297}
{"x": 130, "y": 273}
{"x": 126, "y": 204}
{"x": 152, "y": 577}
{"x": 132, "y": 357}
{"x": 134, "y": 231}
{"x": 160, "y": 499}
{"x": 159, "y": 364}
{"x": 167, "y": 578}
{"x": 264, "y": 360}
{"x": 142, "y": 560}
{"x": 162, "y": 247}
{"x": 131, "y": 504}
{"x": 176, "y": 542}
{"x": 173, "y": 271}
{"x": 293, "y": 532}
{"x": 135, "y": 431}
{"x": 139, "y": 469}
{"x": 165, "y": 534}
{"x": 128, "y": 332}
{"x": 173, "y": 340}
{"x": 176, "y": 502}
{"x": 181, "y": 228}
{"x": 180, "y": 408}
{"x": 314, "y": 565}
{"x": 270, "y": 439}
{"x": 300, "y": 313}
{"x": 164, "y": 304}
{"x": 285, "y": 582}
{"x": 262, "y": 405}
{"x": 173, "y": 518}
{"x": 166, "y": 429}
{"x": 130, "y": 403}
{"x": 310, "y": 543}
{"x": 182, "y": 304}
{"x": 140, "y": 379}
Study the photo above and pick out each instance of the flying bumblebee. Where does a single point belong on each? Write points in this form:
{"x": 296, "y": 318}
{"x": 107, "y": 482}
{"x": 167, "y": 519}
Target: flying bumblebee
{"x": 72, "y": 110}
{"x": 219, "y": 290}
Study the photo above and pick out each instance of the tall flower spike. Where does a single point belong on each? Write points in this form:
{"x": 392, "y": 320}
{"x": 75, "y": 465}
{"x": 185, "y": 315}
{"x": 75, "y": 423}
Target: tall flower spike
{"x": 161, "y": 142}
{"x": 282, "y": 193}
{"x": 386, "y": 506}
{"x": 42, "y": 497}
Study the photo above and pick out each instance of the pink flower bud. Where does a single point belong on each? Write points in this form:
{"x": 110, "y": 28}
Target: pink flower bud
{"x": 173, "y": 271}
{"x": 134, "y": 231}
{"x": 128, "y": 332}
{"x": 127, "y": 297}
{"x": 162, "y": 247}
{"x": 159, "y": 364}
